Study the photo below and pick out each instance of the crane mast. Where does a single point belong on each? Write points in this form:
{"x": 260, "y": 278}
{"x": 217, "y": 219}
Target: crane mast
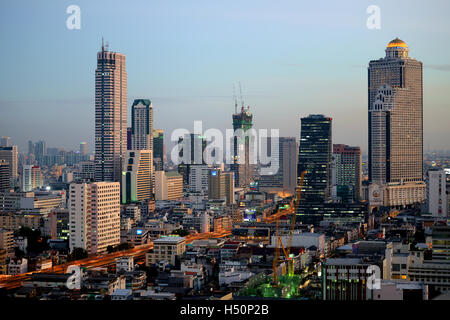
{"x": 278, "y": 240}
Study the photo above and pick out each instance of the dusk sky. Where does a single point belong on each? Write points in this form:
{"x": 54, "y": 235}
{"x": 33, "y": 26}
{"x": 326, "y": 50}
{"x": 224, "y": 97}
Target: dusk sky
{"x": 293, "y": 58}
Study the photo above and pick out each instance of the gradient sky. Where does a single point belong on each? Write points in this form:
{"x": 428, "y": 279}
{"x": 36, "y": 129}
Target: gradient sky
{"x": 293, "y": 58}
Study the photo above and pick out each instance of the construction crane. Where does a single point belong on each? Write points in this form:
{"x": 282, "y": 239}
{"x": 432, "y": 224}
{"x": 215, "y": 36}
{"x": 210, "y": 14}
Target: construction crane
{"x": 242, "y": 100}
{"x": 278, "y": 240}
{"x": 235, "y": 100}
{"x": 291, "y": 233}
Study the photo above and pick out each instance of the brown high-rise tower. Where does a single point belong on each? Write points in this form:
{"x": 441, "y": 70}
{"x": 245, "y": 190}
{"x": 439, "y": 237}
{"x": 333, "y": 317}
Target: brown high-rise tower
{"x": 396, "y": 126}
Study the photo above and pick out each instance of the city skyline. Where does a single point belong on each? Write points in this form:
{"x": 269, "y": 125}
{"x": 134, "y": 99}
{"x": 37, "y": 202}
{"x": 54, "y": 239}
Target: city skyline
{"x": 142, "y": 177}
{"x": 289, "y": 81}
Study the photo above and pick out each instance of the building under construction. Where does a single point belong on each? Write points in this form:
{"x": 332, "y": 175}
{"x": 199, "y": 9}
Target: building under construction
{"x": 242, "y": 167}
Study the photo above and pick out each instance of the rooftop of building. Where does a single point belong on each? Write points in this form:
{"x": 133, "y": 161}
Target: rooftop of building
{"x": 343, "y": 261}
{"x": 404, "y": 284}
{"x": 171, "y": 174}
{"x": 122, "y": 292}
{"x": 169, "y": 239}
{"x": 397, "y": 43}
{"x": 50, "y": 277}
{"x": 145, "y": 102}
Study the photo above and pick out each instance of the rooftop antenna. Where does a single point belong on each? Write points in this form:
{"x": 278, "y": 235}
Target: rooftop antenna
{"x": 235, "y": 99}
{"x": 103, "y": 47}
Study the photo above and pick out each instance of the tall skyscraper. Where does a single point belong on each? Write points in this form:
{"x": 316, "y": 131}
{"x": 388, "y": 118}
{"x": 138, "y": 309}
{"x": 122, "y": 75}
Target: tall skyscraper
{"x": 243, "y": 170}
{"x": 221, "y": 185}
{"x": 216, "y": 185}
{"x": 198, "y": 177}
{"x": 40, "y": 148}
{"x": 192, "y": 148}
{"x": 314, "y": 156}
{"x": 142, "y": 125}
{"x": 285, "y": 179}
{"x": 86, "y": 171}
{"x": 5, "y": 141}
{"x": 128, "y": 138}
{"x": 110, "y": 115}
{"x": 168, "y": 185}
{"x": 83, "y": 148}
{"x": 396, "y": 127}
{"x": 32, "y": 178}
{"x": 137, "y": 182}
{"x": 94, "y": 220}
{"x": 5, "y": 182}
{"x": 37, "y": 151}
{"x": 158, "y": 149}
{"x": 347, "y": 173}
{"x": 10, "y": 155}
{"x": 229, "y": 186}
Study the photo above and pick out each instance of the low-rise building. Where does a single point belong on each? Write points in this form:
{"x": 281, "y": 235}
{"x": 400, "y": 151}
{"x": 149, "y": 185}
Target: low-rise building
{"x": 122, "y": 294}
{"x": 125, "y": 264}
{"x": 7, "y": 241}
{"x": 166, "y": 248}
{"x": 17, "y": 266}
{"x": 229, "y": 250}
{"x": 136, "y": 236}
{"x": 15, "y": 220}
{"x": 47, "y": 280}
{"x": 104, "y": 283}
{"x": 3, "y": 264}
{"x": 168, "y": 185}
{"x": 158, "y": 228}
{"x": 401, "y": 290}
{"x": 134, "y": 280}
{"x": 395, "y": 263}
{"x": 222, "y": 223}
{"x": 303, "y": 239}
{"x": 199, "y": 222}
{"x": 251, "y": 235}
{"x": 152, "y": 295}
{"x": 345, "y": 279}
{"x": 42, "y": 264}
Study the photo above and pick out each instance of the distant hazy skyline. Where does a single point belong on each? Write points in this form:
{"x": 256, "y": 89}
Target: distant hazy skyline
{"x": 293, "y": 58}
